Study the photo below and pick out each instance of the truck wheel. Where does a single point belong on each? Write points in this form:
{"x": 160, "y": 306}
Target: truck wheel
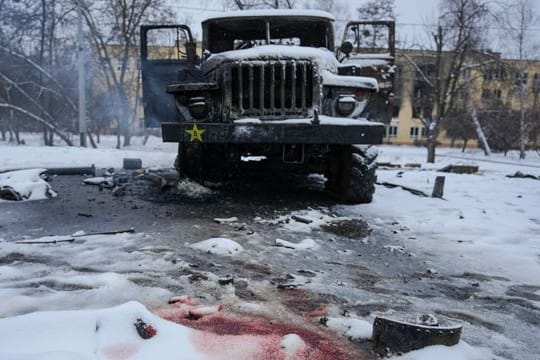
{"x": 353, "y": 180}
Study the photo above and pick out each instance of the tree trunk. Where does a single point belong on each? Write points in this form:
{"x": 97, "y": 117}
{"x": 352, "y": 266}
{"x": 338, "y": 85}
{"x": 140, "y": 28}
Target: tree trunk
{"x": 92, "y": 142}
{"x": 464, "y": 145}
{"x": 45, "y": 136}
{"x": 118, "y": 134}
{"x": 18, "y": 136}
{"x": 431, "y": 150}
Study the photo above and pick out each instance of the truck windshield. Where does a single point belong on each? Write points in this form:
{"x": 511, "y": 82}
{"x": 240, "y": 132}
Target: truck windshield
{"x": 234, "y": 34}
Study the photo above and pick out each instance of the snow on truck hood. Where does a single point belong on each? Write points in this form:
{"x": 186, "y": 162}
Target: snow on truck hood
{"x": 364, "y": 82}
{"x": 323, "y": 57}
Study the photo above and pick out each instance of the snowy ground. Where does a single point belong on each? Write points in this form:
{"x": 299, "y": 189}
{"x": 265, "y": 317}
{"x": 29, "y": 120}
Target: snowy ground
{"x": 33, "y": 154}
{"x": 486, "y": 230}
{"x": 487, "y": 221}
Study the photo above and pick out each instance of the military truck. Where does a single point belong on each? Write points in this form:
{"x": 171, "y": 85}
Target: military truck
{"x": 270, "y": 86}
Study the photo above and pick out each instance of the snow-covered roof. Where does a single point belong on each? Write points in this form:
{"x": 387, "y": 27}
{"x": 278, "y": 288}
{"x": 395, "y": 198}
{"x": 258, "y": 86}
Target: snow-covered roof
{"x": 274, "y": 13}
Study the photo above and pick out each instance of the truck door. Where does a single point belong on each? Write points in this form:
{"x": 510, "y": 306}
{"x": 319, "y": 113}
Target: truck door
{"x": 368, "y": 49}
{"x": 166, "y": 50}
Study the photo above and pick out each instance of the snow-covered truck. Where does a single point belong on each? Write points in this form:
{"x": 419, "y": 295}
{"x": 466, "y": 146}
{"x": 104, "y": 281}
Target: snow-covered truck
{"x": 270, "y": 85}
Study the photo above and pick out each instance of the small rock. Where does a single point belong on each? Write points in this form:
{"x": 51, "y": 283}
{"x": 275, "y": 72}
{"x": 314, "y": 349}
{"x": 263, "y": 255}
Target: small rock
{"x": 119, "y": 191}
{"x": 226, "y": 280}
{"x": 226, "y": 220}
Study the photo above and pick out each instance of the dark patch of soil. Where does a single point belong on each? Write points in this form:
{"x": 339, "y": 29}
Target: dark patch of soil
{"x": 524, "y": 291}
{"x": 243, "y": 292}
{"x": 11, "y": 258}
{"x": 471, "y": 319}
{"x": 304, "y": 302}
{"x": 26, "y": 258}
{"x": 252, "y": 270}
{"x": 59, "y": 286}
{"x": 456, "y": 292}
{"x": 480, "y": 277}
{"x": 354, "y": 229}
{"x": 522, "y": 308}
{"x": 367, "y": 309}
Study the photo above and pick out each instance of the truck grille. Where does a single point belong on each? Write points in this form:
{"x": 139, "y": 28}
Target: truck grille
{"x": 271, "y": 88}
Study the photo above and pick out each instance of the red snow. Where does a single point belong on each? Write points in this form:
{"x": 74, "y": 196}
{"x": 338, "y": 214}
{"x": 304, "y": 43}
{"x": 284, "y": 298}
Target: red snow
{"x": 246, "y": 337}
{"x": 119, "y": 351}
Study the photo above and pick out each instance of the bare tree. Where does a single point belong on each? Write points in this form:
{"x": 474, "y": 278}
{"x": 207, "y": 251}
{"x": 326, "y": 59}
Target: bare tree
{"x": 28, "y": 52}
{"x": 114, "y": 33}
{"x": 377, "y": 10}
{"x": 517, "y": 18}
{"x": 458, "y": 126}
{"x": 338, "y": 8}
{"x": 260, "y": 4}
{"x": 457, "y": 33}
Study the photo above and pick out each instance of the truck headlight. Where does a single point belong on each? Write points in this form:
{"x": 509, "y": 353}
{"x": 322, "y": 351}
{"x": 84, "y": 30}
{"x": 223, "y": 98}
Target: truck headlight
{"x": 345, "y": 105}
{"x": 198, "y": 108}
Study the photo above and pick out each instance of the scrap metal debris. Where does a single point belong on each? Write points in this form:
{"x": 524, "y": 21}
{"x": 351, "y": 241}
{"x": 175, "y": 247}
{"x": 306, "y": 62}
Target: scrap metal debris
{"x": 394, "y": 337}
{"x": 521, "y": 175}
{"x": 71, "y": 238}
{"x": 8, "y": 193}
{"x": 226, "y": 220}
{"x": 406, "y": 188}
{"x": 145, "y": 331}
{"x": 301, "y": 219}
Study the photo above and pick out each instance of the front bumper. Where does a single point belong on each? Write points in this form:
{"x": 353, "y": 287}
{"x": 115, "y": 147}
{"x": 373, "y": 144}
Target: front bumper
{"x": 361, "y": 132}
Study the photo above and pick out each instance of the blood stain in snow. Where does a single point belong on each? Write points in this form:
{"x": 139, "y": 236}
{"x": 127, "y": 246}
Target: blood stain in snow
{"x": 119, "y": 351}
{"x": 220, "y": 333}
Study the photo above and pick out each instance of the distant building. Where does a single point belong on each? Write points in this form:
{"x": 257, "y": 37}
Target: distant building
{"x": 493, "y": 87}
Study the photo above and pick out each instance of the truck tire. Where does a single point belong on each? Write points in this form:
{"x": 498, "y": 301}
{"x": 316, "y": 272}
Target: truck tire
{"x": 353, "y": 180}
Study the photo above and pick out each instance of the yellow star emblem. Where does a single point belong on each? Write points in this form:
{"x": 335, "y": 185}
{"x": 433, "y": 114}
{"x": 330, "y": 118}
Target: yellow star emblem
{"x": 195, "y": 133}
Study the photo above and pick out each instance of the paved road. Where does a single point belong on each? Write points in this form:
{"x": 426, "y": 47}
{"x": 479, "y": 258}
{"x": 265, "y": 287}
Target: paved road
{"x": 358, "y": 274}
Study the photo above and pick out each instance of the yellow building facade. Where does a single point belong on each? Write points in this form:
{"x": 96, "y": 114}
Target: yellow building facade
{"x": 498, "y": 79}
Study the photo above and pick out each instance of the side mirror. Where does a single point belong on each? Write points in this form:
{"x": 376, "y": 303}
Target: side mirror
{"x": 346, "y": 48}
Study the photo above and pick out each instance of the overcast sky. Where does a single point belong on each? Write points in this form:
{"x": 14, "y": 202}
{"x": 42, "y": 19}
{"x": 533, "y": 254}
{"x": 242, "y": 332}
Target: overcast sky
{"x": 412, "y": 15}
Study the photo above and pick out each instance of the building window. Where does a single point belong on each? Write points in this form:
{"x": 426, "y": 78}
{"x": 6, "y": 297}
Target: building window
{"x": 497, "y": 93}
{"x": 395, "y": 109}
{"x": 519, "y": 77}
{"x": 424, "y": 133}
{"x": 119, "y": 65}
{"x": 392, "y": 131}
{"x": 413, "y": 133}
